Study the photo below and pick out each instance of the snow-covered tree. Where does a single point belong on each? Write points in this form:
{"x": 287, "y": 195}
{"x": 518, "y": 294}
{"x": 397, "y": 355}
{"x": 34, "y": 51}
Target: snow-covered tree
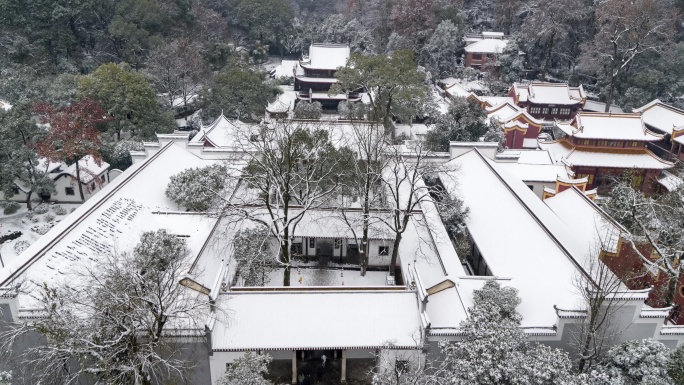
{"x": 633, "y": 363}
{"x": 306, "y": 110}
{"x": 440, "y": 53}
{"x": 625, "y": 34}
{"x": 253, "y": 255}
{"x": 197, "y": 188}
{"x": 655, "y": 220}
{"x": 73, "y": 134}
{"x": 5, "y": 378}
{"x": 675, "y": 366}
{"x": 495, "y": 350}
{"x": 19, "y": 160}
{"x": 249, "y": 369}
{"x": 109, "y": 320}
{"x": 293, "y": 167}
{"x": 464, "y": 122}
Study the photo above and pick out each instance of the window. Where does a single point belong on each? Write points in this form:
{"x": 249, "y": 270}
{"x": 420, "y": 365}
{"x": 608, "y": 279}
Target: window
{"x": 383, "y": 250}
{"x": 102, "y": 179}
{"x": 297, "y": 248}
{"x": 545, "y": 111}
{"x": 15, "y": 190}
{"x": 554, "y": 111}
{"x": 564, "y": 111}
{"x": 312, "y": 243}
{"x": 603, "y": 143}
{"x": 92, "y": 186}
{"x": 338, "y": 243}
{"x": 535, "y": 110}
{"x": 477, "y": 56}
{"x": 69, "y": 191}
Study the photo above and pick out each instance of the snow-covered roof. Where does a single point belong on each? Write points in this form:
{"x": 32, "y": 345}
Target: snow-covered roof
{"x": 594, "y": 106}
{"x": 488, "y": 46}
{"x": 535, "y": 157}
{"x": 326, "y": 56}
{"x": 549, "y": 93}
{"x": 534, "y": 172}
{"x": 287, "y": 69}
{"x": 411, "y": 131}
{"x": 5, "y": 106}
{"x": 285, "y": 102}
{"x": 530, "y": 143}
{"x": 113, "y": 220}
{"x": 640, "y": 158}
{"x": 457, "y": 90}
{"x": 518, "y": 236}
{"x": 223, "y": 133}
{"x": 502, "y": 112}
{"x": 588, "y": 222}
{"x": 89, "y": 169}
{"x": 317, "y": 320}
{"x": 661, "y": 117}
{"x": 592, "y": 125}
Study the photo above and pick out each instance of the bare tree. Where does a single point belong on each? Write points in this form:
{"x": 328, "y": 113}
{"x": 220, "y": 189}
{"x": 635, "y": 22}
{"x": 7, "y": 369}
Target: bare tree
{"x": 293, "y": 168}
{"x": 599, "y": 289}
{"x": 369, "y": 141}
{"x": 549, "y": 22}
{"x": 626, "y": 32}
{"x": 115, "y": 320}
{"x": 178, "y": 68}
{"x": 655, "y": 221}
{"x": 404, "y": 183}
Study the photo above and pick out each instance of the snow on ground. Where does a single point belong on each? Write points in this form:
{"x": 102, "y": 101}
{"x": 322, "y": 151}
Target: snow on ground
{"x": 328, "y": 277}
{"x": 30, "y": 228}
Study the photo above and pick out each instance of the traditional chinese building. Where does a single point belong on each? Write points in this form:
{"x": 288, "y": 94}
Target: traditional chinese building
{"x": 549, "y": 101}
{"x": 668, "y": 121}
{"x": 602, "y": 146}
{"x": 482, "y": 50}
{"x": 319, "y": 75}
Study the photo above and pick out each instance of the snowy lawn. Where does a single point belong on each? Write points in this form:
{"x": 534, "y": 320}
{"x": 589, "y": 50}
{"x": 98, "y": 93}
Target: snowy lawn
{"x": 328, "y": 277}
{"x": 31, "y": 225}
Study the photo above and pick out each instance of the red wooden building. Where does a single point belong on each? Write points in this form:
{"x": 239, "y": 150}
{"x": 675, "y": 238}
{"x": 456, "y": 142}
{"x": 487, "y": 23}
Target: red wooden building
{"x": 549, "y": 101}
{"x": 482, "y": 51}
{"x": 319, "y": 75}
{"x": 602, "y": 146}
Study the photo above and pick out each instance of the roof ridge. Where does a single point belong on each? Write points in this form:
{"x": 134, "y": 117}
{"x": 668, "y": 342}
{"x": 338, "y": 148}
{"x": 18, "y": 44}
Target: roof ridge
{"x": 541, "y": 223}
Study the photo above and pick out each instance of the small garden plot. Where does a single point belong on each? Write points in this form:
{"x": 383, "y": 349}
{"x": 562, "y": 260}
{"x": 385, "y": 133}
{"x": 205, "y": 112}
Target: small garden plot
{"x": 31, "y": 226}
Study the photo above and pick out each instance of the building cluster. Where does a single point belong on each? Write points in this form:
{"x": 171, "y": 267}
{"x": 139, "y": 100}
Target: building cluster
{"x": 532, "y": 224}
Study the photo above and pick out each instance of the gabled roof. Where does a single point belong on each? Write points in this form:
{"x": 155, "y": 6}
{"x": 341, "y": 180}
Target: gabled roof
{"x": 518, "y": 237}
{"x": 326, "y": 56}
{"x": 507, "y": 111}
{"x": 589, "y": 223}
{"x": 222, "y": 133}
{"x": 489, "y": 46}
{"x": 641, "y": 158}
{"x": 549, "y": 93}
{"x": 661, "y": 117}
{"x": 112, "y": 220}
{"x": 594, "y": 106}
{"x": 89, "y": 169}
{"x": 353, "y": 320}
{"x": 594, "y": 125}
{"x": 285, "y": 102}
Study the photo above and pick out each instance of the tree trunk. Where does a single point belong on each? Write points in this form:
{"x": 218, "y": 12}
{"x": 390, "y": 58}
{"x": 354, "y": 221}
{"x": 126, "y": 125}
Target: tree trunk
{"x": 395, "y": 255}
{"x": 78, "y": 181}
{"x": 613, "y": 81}
{"x": 547, "y": 62}
{"x": 285, "y": 258}
{"x": 28, "y": 200}
{"x": 364, "y": 239}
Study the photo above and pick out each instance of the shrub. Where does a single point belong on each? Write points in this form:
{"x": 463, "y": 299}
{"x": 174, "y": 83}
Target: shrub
{"x": 49, "y": 218}
{"x": 306, "y": 110}
{"x": 59, "y": 210}
{"x": 196, "y": 188}
{"x": 41, "y": 208}
{"x": 10, "y": 208}
{"x": 20, "y": 246}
